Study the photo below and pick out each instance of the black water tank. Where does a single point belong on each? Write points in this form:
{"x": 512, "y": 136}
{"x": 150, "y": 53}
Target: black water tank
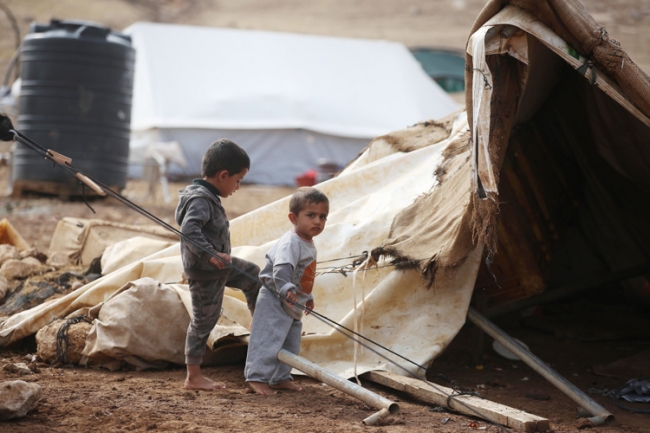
{"x": 75, "y": 98}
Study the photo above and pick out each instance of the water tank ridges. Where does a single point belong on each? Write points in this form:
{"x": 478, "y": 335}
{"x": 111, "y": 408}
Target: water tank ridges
{"x": 76, "y": 94}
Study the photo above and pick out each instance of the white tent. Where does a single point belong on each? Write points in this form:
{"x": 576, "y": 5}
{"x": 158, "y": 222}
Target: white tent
{"x": 288, "y": 99}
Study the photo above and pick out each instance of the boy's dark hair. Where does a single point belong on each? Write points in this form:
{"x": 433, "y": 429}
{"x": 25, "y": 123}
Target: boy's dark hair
{"x": 304, "y": 196}
{"x": 224, "y": 154}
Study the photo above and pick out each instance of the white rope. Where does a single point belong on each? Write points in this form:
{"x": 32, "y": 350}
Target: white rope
{"x": 358, "y": 324}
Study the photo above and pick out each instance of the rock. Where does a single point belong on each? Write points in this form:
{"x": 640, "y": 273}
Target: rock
{"x": 584, "y": 423}
{"x": 46, "y": 341}
{"x": 18, "y": 269}
{"x": 33, "y": 252}
{"x": 4, "y": 287}
{"x": 17, "y": 398}
{"x": 58, "y": 259}
{"x": 32, "y": 261}
{"x": 8, "y": 252}
{"x": 28, "y": 293}
{"x": 20, "y": 368}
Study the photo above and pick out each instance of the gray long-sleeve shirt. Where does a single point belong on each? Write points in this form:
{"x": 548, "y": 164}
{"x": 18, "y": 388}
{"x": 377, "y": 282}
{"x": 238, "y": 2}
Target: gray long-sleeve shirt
{"x": 291, "y": 265}
{"x": 203, "y": 219}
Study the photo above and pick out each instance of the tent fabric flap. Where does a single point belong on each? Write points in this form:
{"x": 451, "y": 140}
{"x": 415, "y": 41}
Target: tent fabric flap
{"x": 434, "y": 232}
{"x": 583, "y": 38}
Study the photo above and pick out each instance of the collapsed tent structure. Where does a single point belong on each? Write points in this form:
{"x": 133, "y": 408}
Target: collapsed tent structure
{"x": 560, "y": 165}
{"x": 544, "y": 181}
{"x": 276, "y": 94}
{"x": 360, "y": 218}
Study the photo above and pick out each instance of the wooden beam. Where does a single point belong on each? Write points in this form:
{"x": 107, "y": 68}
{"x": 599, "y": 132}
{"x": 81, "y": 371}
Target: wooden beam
{"x": 465, "y": 404}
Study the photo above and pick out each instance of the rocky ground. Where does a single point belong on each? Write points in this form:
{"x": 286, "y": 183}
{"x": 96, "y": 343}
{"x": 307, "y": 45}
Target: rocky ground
{"x": 79, "y": 399}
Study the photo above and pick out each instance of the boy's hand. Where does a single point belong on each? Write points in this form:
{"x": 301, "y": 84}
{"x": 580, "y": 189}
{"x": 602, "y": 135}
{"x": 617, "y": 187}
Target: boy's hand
{"x": 218, "y": 263}
{"x": 291, "y": 297}
{"x": 309, "y": 305}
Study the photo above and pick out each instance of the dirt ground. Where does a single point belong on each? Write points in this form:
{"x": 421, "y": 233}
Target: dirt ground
{"x": 78, "y": 399}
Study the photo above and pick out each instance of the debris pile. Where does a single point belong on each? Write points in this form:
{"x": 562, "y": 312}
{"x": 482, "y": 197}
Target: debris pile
{"x": 29, "y": 277}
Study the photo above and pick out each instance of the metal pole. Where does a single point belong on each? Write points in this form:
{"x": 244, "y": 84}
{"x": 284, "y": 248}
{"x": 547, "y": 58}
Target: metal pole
{"x": 600, "y": 415}
{"x": 384, "y": 405}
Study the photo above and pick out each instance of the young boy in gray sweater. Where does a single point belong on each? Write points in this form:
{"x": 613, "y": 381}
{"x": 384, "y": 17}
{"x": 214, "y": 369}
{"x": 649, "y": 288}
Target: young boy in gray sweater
{"x": 288, "y": 278}
{"x": 203, "y": 219}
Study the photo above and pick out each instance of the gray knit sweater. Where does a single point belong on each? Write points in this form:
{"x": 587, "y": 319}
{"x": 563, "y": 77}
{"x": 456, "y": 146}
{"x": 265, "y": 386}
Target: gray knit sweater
{"x": 203, "y": 219}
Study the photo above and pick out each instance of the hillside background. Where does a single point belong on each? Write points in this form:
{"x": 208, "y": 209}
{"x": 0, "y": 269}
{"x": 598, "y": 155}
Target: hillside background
{"x": 416, "y": 23}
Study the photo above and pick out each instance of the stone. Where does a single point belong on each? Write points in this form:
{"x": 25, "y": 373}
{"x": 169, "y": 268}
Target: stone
{"x": 4, "y": 287}
{"x": 583, "y": 423}
{"x": 18, "y": 397}
{"x": 20, "y": 368}
{"x": 33, "y": 252}
{"x": 16, "y": 269}
{"x": 8, "y": 252}
{"x": 32, "y": 261}
{"x": 46, "y": 341}
{"x": 58, "y": 259}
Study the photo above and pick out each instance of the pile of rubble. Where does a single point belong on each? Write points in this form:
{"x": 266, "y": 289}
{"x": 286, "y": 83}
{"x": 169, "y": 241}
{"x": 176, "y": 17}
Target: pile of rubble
{"x": 29, "y": 277}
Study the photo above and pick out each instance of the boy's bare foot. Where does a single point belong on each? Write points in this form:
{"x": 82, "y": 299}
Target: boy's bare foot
{"x": 261, "y": 388}
{"x": 203, "y": 383}
{"x": 289, "y": 385}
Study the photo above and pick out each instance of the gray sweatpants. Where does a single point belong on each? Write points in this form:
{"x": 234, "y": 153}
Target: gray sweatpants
{"x": 207, "y": 298}
{"x": 273, "y": 329}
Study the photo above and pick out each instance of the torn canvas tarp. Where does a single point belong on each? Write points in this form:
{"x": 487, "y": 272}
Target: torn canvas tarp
{"x": 144, "y": 324}
{"x": 83, "y": 240}
{"x": 393, "y": 307}
{"x": 130, "y": 250}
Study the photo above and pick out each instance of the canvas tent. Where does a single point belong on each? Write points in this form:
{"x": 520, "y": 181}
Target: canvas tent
{"x": 560, "y": 162}
{"x": 288, "y": 99}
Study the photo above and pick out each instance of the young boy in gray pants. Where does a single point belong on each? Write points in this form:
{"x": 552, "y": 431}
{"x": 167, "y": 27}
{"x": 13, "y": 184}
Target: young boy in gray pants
{"x": 288, "y": 278}
{"x": 203, "y": 219}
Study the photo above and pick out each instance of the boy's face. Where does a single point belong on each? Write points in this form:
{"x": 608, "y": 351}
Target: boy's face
{"x": 310, "y": 221}
{"x": 227, "y": 184}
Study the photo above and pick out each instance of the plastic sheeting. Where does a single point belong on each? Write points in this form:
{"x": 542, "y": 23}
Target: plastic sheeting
{"x": 389, "y": 306}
